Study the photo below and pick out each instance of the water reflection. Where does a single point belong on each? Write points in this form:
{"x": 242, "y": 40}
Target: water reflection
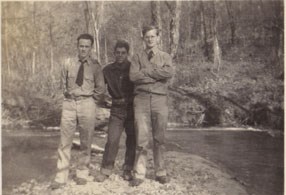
{"x": 255, "y": 159}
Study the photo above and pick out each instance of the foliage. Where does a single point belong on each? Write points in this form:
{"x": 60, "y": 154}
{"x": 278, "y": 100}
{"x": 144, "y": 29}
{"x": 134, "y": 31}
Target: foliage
{"x": 37, "y": 35}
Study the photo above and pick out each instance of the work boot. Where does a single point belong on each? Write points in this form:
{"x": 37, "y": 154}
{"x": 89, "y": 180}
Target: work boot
{"x": 56, "y": 185}
{"x": 127, "y": 175}
{"x": 100, "y": 177}
{"x": 163, "y": 179}
{"x": 136, "y": 182}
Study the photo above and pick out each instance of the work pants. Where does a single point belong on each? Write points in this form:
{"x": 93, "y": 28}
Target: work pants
{"x": 121, "y": 118}
{"x": 151, "y": 115}
{"x": 75, "y": 113}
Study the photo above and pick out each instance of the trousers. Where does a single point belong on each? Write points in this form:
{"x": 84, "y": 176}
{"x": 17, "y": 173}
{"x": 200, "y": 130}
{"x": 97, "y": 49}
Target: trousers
{"x": 81, "y": 114}
{"x": 121, "y": 118}
{"x": 151, "y": 115}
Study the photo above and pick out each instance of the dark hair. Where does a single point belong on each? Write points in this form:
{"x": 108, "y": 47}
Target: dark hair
{"x": 150, "y": 27}
{"x": 86, "y": 36}
{"x": 122, "y": 43}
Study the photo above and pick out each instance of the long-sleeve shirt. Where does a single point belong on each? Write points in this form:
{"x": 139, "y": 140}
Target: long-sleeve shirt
{"x": 151, "y": 76}
{"x": 93, "y": 81}
{"x": 117, "y": 78}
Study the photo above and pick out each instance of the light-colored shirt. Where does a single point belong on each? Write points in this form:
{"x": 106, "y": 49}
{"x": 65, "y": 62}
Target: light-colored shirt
{"x": 151, "y": 76}
{"x": 93, "y": 81}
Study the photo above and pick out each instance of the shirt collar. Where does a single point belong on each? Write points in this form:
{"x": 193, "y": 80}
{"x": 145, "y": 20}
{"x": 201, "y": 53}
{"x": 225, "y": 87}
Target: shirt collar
{"x": 87, "y": 59}
{"x": 154, "y": 49}
{"x": 122, "y": 66}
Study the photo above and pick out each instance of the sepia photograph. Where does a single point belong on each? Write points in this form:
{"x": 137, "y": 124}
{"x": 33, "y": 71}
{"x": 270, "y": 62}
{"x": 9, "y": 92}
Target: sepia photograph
{"x": 142, "y": 97}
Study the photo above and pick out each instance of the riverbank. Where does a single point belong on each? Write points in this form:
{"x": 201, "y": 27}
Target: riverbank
{"x": 190, "y": 174}
{"x": 252, "y": 159}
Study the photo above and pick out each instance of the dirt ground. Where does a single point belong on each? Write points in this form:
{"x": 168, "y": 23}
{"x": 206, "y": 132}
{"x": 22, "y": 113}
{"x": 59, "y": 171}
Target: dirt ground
{"x": 189, "y": 174}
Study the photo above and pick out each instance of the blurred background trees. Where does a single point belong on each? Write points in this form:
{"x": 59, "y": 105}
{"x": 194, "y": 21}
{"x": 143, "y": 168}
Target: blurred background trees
{"x": 228, "y": 55}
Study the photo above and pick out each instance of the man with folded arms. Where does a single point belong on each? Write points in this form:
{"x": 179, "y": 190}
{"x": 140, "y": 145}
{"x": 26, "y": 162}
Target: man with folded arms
{"x": 151, "y": 69}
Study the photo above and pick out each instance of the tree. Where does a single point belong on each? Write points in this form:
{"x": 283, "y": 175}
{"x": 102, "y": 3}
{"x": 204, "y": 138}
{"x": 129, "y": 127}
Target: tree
{"x": 175, "y": 13}
{"x": 204, "y": 36}
{"x": 51, "y": 43}
{"x": 232, "y": 25}
{"x": 7, "y": 58}
{"x": 95, "y": 10}
{"x": 156, "y": 16}
{"x": 35, "y": 37}
{"x": 216, "y": 47}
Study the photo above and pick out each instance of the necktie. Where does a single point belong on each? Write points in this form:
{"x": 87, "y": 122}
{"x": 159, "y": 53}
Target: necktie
{"x": 150, "y": 55}
{"x": 79, "y": 78}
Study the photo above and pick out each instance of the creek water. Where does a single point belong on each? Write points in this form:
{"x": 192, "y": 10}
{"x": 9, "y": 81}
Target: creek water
{"x": 255, "y": 159}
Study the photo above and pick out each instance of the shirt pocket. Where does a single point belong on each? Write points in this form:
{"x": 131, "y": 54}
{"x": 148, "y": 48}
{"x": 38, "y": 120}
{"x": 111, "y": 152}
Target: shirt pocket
{"x": 89, "y": 76}
{"x": 88, "y": 81}
{"x": 158, "y": 61}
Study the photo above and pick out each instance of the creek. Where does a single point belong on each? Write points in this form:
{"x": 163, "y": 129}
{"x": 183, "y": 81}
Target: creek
{"x": 255, "y": 159}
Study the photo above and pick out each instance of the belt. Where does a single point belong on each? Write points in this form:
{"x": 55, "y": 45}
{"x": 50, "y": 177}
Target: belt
{"x": 121, "y": 101}
{"x": 140, "y": 91}
{"x": 77, "y": 98}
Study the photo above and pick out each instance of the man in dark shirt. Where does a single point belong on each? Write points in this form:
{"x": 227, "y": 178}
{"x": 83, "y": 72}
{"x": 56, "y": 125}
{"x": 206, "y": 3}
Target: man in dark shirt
{"x": 121, "y": 115}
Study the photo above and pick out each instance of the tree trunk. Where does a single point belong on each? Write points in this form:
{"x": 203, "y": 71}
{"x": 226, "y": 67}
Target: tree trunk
{"x": 87, "y": 17}
{"x": 6, "y": 43}
{"x": 231, "y": 21}
{"x": 156, "y": 17}
{"x": 193, "y": 20}
{"x": 51, "y": 45}
{"x": 34, "y": 62}
{"x": 204, "y": 33}
{"x": 175, "y": 11}
{"x": 156, "y": 14}
{"x": 216, "y": 47}
{"x": 131, "y": 46}
{"x": 278, "y": 38}
{"x": 105, "y": 48}
{"x": 96, "y": 10}
{"x": 262, "y": 20}
{"x": 34, "y": 39}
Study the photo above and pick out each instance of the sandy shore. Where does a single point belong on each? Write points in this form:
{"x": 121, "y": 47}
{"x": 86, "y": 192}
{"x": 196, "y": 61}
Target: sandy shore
{"x": 189, "y": 174}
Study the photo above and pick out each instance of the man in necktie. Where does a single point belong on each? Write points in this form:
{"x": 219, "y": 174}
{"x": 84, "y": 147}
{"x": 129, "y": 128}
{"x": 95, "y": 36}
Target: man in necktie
{"x": 83, "y": 86}
{"x": 150, "y": 71}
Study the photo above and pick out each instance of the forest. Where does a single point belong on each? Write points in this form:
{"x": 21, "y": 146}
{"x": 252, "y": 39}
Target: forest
{"x": 229, "y": 56}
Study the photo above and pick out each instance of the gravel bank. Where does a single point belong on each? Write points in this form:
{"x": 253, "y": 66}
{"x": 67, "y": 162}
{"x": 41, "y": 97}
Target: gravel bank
{"x": 189, "y": 174}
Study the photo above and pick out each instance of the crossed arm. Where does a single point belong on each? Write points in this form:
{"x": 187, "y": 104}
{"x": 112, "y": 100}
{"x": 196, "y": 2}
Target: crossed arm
{"x": 151, "y": 73}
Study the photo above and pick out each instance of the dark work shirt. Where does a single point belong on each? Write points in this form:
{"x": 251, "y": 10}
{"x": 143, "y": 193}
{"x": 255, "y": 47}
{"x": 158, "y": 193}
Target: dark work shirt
{"x": 117, "y": 78}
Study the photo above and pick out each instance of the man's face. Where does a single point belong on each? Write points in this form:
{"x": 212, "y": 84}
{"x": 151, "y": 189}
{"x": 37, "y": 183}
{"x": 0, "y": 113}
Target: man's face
{"x": 84, "y": 48}
{"x": 151, "y": 38}
{"x": 120, "y": 54}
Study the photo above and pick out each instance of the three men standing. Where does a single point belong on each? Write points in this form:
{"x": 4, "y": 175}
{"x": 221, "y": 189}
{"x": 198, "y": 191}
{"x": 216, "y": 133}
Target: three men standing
{"x": 150, "y": 71}
{"x": 147, "y": 78}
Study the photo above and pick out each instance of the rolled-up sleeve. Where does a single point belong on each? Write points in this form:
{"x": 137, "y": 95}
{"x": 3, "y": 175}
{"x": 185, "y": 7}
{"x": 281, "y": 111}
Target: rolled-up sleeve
{"x": 136, "y": 74}
{"x": 99, "y": 84}
{"x": 64, "y": 74}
